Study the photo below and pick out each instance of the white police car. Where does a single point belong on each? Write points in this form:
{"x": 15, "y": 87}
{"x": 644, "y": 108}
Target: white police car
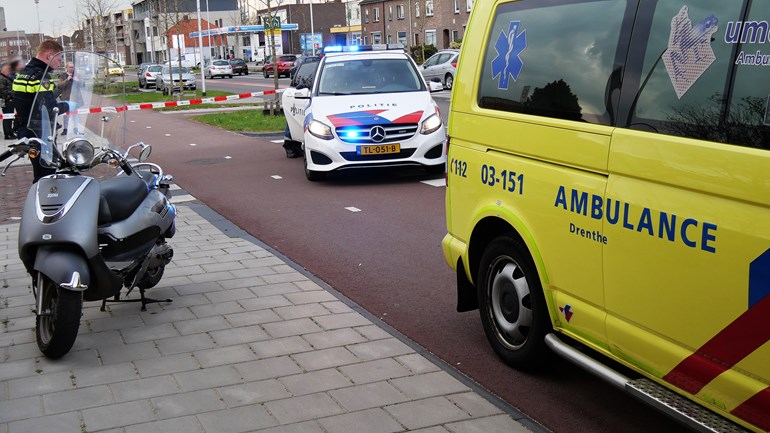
{"x": 368, "y": 106}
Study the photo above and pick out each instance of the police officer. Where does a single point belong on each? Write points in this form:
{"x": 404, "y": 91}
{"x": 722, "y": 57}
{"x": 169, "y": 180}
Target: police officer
{"x": 33, "y": 81}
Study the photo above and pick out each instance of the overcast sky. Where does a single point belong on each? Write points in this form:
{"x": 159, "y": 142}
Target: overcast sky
{"x": 56, "y": 16}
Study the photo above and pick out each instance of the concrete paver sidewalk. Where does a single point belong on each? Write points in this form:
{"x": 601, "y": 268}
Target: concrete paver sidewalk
{"x": 249, "y": 343}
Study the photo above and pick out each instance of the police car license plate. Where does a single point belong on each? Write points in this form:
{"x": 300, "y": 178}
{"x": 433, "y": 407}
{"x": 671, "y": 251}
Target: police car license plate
{"x": 378, "y": 150}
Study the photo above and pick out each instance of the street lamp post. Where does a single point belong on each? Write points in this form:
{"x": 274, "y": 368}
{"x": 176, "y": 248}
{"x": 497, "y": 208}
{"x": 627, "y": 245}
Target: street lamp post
{"x": 200, "y": 44}
{"x": 37, "y": 7}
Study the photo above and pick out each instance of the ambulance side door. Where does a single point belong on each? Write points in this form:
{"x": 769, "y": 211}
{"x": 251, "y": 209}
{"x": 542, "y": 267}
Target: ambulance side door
{"x": 687, "y": 206}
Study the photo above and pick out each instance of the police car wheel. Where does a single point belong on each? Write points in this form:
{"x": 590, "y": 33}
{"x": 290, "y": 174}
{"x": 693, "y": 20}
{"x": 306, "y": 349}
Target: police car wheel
{"x": 312, "y": 175}
{"x": 511, "y": 303}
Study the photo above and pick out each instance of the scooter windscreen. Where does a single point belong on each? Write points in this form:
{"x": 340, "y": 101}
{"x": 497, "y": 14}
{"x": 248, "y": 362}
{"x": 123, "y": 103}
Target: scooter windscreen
{"x": 78, "y": 110}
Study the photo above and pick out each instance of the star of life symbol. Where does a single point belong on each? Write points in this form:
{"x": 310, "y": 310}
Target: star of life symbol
{"x": 689, "y": 51}
{"x": 508, "y": 64}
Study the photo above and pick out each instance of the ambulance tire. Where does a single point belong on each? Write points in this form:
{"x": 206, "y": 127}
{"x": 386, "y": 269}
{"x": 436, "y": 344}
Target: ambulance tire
{"x": 511, "y": 304}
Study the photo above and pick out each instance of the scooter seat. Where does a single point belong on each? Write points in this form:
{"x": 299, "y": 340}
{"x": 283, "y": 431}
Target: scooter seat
{"x": 120, "y": 196}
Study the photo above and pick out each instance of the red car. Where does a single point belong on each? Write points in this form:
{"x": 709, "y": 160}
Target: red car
{"x": 285, "y": 62}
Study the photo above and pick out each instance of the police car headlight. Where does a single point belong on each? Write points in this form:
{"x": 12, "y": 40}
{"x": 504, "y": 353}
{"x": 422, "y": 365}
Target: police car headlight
{"x": 320, "y": 130}
{"x": 79, "y": 153}
{"x": 431, "y": 124}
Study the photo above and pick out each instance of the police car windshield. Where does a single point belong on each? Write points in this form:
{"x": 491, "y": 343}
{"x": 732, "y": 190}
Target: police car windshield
{"x": 368, "y": 76}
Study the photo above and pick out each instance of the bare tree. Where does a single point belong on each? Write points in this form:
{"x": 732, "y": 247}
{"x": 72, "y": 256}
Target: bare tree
{"x": 99, "y": 31}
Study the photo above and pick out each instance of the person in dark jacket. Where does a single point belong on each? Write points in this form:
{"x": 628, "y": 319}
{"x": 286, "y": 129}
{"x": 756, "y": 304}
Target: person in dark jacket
{"x": 6, "y": 94}
{"x": 34, "y": 85}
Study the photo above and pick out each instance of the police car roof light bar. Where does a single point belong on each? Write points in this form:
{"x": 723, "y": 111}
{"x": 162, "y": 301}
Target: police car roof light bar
{"x": 359, "y": 48}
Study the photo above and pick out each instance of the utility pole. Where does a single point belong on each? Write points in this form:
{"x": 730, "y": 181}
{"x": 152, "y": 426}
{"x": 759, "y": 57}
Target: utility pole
{"x": 208, "y": 20}
{"x": 269, "y": 25}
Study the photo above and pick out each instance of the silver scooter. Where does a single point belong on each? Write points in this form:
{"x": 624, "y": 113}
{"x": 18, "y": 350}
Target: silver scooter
{"x": 85, "y": 238}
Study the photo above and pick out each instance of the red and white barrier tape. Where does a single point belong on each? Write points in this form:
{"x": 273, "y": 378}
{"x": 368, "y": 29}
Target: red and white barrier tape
{"x": 152, "y": 105}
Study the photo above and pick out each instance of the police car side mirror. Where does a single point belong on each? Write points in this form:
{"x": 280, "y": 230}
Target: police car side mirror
{"x": 435, "y": 86}
{"x": 302, "y": 93}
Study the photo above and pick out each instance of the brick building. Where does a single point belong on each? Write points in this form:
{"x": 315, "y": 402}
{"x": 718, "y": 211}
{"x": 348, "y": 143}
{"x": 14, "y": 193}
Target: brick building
{"x": 326, "y": 16}
{"x": 413, "y": 22}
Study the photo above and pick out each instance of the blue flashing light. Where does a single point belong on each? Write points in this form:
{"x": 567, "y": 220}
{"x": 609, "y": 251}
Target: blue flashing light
{"x": 352, "y": 134}
{"x": 360, "y": 48}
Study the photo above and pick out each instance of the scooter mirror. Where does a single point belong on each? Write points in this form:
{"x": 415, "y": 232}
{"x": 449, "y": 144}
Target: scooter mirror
{"x": 145, "y": 153}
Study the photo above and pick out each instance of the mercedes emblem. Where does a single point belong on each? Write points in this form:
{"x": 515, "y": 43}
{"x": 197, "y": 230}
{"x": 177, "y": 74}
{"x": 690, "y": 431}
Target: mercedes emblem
{"x": 377, "y": 134}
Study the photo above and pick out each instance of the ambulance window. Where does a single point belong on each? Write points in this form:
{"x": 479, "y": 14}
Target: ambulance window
{"x": 749, "y": 100}
{"x": 685, "y": 80}
{"x": 553, "y": 60}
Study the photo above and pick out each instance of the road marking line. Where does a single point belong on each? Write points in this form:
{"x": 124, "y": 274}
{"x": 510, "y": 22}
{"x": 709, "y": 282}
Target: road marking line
{"x": 193, "y": 144}
{"x": 175, "y": 187}
{"x": 353, "y": 209}
{"x": 434, "y": 182}
{"x": 228, "y": 157}
{"x": 182, "y": 198}
{"x": 275, "y": 176}
{"x": 276, "y": 141}
{"x": 149, "y": 127}
{"x": 168, "y": 135}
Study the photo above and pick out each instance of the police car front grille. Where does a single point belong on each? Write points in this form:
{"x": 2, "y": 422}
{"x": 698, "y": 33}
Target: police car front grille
{"x": 393, "y": 133}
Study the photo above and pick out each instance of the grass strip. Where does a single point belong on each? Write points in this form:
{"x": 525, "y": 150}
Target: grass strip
{"x": 243, "y": 120}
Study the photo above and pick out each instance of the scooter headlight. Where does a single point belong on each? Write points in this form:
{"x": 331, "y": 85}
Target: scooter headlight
{"x": 79, "y": 153}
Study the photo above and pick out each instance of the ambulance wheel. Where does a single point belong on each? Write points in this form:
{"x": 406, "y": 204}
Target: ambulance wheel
{"x": 511, "y": 303}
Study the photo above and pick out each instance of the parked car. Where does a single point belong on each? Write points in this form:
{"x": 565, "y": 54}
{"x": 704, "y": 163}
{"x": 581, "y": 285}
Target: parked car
{"x": 168, "y": 79}
{"x": 142, "y": 66}
{"x": 441, "y": 65}
{"x": 285, "y": 63}
{"x": 239, "y": 67}
{"x": 114, "y": 69}
{"x": 186, "y": 62}
{"x": 148, "y": 75}
{"x": 219, "y": 68}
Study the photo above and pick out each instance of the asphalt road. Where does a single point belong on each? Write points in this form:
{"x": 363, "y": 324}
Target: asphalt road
{"x": 375, "y": 236}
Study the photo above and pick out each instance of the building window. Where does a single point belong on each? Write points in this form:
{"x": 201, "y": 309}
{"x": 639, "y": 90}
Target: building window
{"x": 455, "y": 36}
{"x": 430, "y": 37}
{"x": 376, "y": 15}
{"x": 376, "y": 38}
{"x": 400, "y": 12}
{"x": 355, "y": 38}
{"x": 390, "y": 13}
{"x": 457, "y": 6}
{"x": 390, "y": 39}
{"x": 428, "y": 8}
{"x": 366, "y": 40}
{"x": 468, "y": 5}
{"x": 402, "y": 38}
{"x": 417, "y": 9}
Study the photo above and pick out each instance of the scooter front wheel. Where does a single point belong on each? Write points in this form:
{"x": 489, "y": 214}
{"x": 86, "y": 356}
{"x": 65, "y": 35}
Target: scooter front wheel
{"x": 57, "y": 325}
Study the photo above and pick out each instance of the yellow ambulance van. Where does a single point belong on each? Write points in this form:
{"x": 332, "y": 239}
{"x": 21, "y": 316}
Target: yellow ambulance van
{"x": 609, "y": 184}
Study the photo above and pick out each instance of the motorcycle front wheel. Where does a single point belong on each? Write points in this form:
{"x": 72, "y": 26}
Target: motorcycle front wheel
{"x": 57, "y": 325}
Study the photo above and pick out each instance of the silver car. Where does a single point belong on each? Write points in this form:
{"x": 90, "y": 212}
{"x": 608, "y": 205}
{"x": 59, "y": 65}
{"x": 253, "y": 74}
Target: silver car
{"x": 168, "y": 79}
{"x": 441, "y": 65}
{"x": 148, "y": 74}
{"x": 219, "y": 68}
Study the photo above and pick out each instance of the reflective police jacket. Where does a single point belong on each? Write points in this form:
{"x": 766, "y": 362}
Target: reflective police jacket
{"x": 32, "y": 82}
